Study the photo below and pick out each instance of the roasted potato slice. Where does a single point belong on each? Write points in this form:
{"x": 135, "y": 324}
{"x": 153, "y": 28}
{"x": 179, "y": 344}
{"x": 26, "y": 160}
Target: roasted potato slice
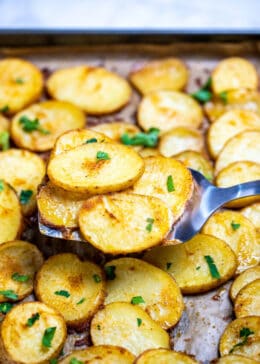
{"x": 101, "y": 354}
{"x": 116, "y": 129}
{"x": 243, "y": 279}
{"x": 24, "y": 171}
{"x": 129, "y": 326}
{"x": 4, "y": 124}
{"x": 149, "y": 152}
{"x": 234, "y": 359}
{"x": 242, "y": 147}
{"x": 100, "y": 168}
{"x": 252, "y": 212}
{"x": 19, "y": 261}
{"x": 31, "y": 333}
{"x": 192, "y": 264}
{"x": 166, "y": 110}
{"x": 228, "y": 125}
{"x": 196, "y": 161}
{"x": 167, "y": 179}
{"x": 130, "y": 223}
{"x": 234, "y": 73}
{"x": 244, "y": 330}
{"x": 236, "y": 173}
{"x": 162, "y": 298}
{"x": 59, "y": 208}
{"x": 247, "y": 301}
{"x": 21, "y": 83}
{"x": 239, "y": 233}
{"x": 93, "y": 89}
{"x": 163, "y": 74}
{"x": 37, "y": 127}
{"x": 11, "y": 220}
{"x": 75, "y": 288}
{"x": 181, "y": 139}
{"x": 165, "y": 356}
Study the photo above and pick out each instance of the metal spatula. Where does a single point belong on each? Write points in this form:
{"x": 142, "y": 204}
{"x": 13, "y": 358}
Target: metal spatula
{"x": 206, "y": 200}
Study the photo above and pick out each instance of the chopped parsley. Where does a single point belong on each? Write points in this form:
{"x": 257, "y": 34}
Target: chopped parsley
{"x": 234, "y": 225}
{"x": 9, "y": 293}
{"x": 139, "y": 321}
{"x": 149, "y": 226}
{"x": 102, "y": 155}
{"x": 168, "y": 265}
{"x": 5, "y": 307}
{"x": 4, "y": 140}
{"x": 29, "y": 125}
{"x": 224, "y": 97}
{"x": 170, "y": 184}
{"x": 92, "y": 140}
{"x": 48, "y": 337}
{"x": 198, "y": 267}
{"x": 204, "y": 94}
{"x": 30, "y": 322}
{"x": 20, "y": 277}
{"x": 137, "y": 300}
{"x": 54, "y": 361}
{"x": 62, "y": 293}
{"x": 4, "y": 109}
{"x": 98, "y": 327}
{"x": 75, "y": 361}
{"x": 19, "y": 81}
{"x": 149, "y": 139}
{"x": 97, "y": 278}
{"x": 244, "y": 333}
{"x": 2, "y": 186}
{"x": 110, "y": 272}
{"x": 81, "y": 301}
{"x": 212, "y": 267}
{"x": 25, "y": 196}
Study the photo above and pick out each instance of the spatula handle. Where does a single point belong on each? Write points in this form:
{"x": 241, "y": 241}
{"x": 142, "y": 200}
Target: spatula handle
{"x": 238, "y": 191}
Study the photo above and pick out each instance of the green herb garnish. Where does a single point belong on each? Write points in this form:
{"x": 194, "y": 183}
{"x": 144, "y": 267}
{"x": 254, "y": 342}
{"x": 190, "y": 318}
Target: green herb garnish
{"x": 4, "y": 109}
{"x": 168, "y": 265}
{"x": 99, "y": 327}
{"x": 25, "y": 196}
{"x": 30, "y": 322}
{"x": 20, "y": 277}
{"x": 29, "y": 125}
{"x": 204, "y": 94}
{"x": 244, "y": 333}
{"x": 75, "y": 361}
{"x": 54, "y": 361}
{"x": 48, "y": 337}
{"x": 2, "y": 186}
{"x": 149, "y": 226}
{"x": 137, "y": 300}
{"x": 102, "y": 155}
{"x": 212, "y": 267}
{"x": 235, "y": 226}
{"x": 5, "y": 307}
{"x": 20, "y": 81}
{"x": 198, "y": 267}
{"x": 81, "y": 301}
{"x": 139, "y": 321}
{"x": 97, "y": 278}
{"x": 149, "y": 139}
{"x": 4, "y": 140}
{"x": 224, "y": 97}
{"x": 62, "y": 293}
{"x": 9, "y": 293}
{"x": 92, "y": 140}
{"x": 110, "y": 272}
{"x": 170, "y": 184}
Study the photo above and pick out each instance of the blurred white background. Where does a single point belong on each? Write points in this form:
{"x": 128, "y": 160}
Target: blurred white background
{"x": 149, "y": 14}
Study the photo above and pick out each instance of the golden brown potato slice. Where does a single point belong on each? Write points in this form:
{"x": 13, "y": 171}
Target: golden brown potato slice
{"x": 252, "y": 212}
{"x": 247, "y": 301}
{"x": 130, "y": 223}
{"x": 161, "y": 297}
{"x": 234, "y": 359}
{"x": 24, "y": 171}
{"x": 127, "y": 325}
{"x": 4, "y": 124}
{"x": 242, "y": 337}
{"x": 243, "y": 279}
{"x": 100, "y": 168}
{"x": 59, "y": 208}
{"x": 168, "y": 109}
{"x": 164, "y": 74}
{"x": 196, "y": 161}
{"x": 234, "y": 73}
{"x": 31, "y": 333}
{"x": 21, "y": 84}
{"x": 242, "y": 147}
{"x": 167, "y": 179}
{"x": 228, "y": 125}
{"x": 236, "y": 173}
{"x": 101, "y": 354}
{"x": 19, "y": 261}
{"x": 239, "y": 233}
{"x": 116, "y": 129}
{"x": 93, "y": 89}
{"x": 179, "y": 140}
{"x": 202, "y": 263}
{"x": 149, "y": 152}
{"x": 11, "y": 220}
{"x": 165, "y": 356}
{"x": 75, "y": 288}
{"x": 37, "y": 127}
{"x": 242, "y": 99}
